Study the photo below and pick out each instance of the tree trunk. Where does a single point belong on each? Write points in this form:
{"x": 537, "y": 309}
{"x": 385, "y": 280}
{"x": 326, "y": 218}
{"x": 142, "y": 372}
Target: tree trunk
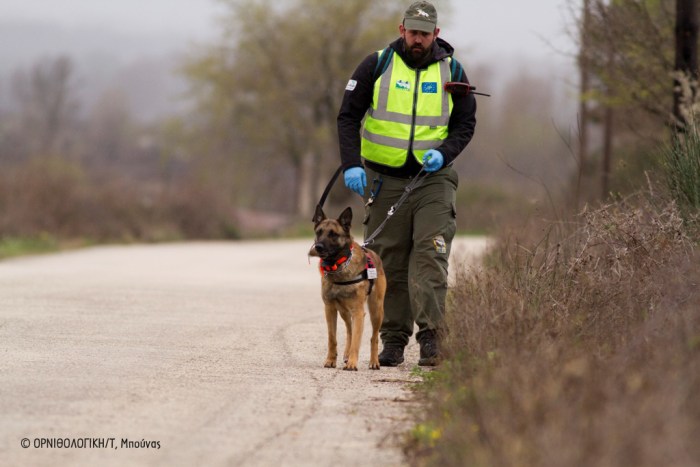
{"x": 686, "y": 52}
{"x": 306, "y": 185}
{"x": 608, "y": 131}
{"x": 584, "y": 114}
{"x": 607, "y": 150}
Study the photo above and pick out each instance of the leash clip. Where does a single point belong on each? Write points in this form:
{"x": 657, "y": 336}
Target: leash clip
{"x": 373, "y": 192}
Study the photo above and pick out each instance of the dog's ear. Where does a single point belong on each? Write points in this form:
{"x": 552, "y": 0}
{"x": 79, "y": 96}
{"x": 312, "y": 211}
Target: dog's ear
{"x": 319, "y": 216}
{"x": 345, "y": 219}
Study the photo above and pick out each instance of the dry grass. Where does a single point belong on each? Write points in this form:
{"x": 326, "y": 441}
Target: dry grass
{"x": 580, "y": 348}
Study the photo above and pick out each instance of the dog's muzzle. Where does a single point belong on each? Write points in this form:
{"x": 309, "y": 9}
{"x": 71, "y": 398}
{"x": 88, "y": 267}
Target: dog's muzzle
{"x": 321, "y": 249}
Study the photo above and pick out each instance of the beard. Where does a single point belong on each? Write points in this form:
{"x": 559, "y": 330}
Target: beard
{"x": 418, "y": 53}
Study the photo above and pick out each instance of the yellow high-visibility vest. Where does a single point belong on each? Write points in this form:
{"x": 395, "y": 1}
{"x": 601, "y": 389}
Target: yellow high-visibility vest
{"x": 410, "y": 112}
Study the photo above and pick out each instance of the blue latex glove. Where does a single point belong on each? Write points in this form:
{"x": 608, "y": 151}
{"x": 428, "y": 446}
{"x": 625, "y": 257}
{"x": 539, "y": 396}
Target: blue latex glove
{"x": 356, "y": 180}
{"x": 432, "y": 160}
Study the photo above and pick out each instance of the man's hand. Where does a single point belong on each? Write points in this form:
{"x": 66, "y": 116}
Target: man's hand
{"x": 356, "y": 180}
{"x": 432, "y": 160}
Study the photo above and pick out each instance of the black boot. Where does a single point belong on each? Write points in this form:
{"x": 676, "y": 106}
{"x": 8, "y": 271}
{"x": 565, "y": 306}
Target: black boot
{"x": 429, "y": 348}
{"x": 391, "y": 355}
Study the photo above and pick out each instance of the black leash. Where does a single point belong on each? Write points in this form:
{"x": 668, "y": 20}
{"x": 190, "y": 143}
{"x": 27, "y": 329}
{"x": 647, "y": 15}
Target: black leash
{"x": 322, "y": 201}
{"x": 415, "y": 183}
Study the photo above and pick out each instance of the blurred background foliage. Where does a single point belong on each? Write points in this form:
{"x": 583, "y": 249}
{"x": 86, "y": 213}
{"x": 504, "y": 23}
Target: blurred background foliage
{"x": 255, "y": 140}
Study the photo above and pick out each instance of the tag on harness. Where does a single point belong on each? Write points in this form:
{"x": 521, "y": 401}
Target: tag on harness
{"x": 371, "y": 273}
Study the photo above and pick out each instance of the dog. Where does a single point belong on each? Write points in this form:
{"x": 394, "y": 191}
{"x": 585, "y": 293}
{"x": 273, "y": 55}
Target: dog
{"x": 351, "y": 276}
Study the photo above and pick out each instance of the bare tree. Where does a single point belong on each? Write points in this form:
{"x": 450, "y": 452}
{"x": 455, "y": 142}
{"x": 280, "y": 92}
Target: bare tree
{"x": 626, "y": 58}
{"x": 276, "y": 85}
{"x": 47, "y": 105}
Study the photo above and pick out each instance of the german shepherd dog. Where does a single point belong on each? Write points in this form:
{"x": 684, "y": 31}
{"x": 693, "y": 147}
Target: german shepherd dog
{"x": 351, "y": 276}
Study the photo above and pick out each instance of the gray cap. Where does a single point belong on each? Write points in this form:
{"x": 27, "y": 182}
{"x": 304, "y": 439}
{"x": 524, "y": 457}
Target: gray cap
{"x": 421, "y": 16}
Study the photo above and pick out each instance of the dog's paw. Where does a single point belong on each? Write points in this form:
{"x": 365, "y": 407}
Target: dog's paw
{"x": 350, "y": 367}
{"x": 329, "y": 364}
{"x": 374, "y": 366}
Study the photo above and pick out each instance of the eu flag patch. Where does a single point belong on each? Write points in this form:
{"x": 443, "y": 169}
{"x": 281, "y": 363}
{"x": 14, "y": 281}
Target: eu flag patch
{"x": 430, "y": 88}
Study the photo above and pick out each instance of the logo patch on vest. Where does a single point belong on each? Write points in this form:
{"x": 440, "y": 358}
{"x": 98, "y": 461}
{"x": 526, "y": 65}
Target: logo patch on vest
{"x": 430, "y": 88}
{"x": 404, "y": 85}
{"x": 352, "y": 84}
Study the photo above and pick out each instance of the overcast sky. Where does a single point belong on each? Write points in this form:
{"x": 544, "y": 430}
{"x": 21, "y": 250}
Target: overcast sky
{"x": 497, "y": 28}
{"x": 496, "y": 40}
{"x": 511, "y": 27}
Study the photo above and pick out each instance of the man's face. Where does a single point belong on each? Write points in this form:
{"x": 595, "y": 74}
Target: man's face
{"x": 418, "y": 43}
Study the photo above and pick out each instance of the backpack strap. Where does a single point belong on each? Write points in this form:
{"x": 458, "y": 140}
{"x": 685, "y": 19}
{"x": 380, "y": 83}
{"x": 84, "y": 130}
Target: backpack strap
{"x": 457, "y": 70}
{"x": 387, "y": 54}
{"x": 385, "y": 57}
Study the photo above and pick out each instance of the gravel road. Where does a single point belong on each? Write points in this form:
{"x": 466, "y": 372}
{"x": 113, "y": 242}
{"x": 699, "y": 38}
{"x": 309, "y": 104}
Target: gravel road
{"x": 187, "y": 354}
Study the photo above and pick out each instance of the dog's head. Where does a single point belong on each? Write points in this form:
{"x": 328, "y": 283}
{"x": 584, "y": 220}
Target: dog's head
{"x": 332, "y": 235}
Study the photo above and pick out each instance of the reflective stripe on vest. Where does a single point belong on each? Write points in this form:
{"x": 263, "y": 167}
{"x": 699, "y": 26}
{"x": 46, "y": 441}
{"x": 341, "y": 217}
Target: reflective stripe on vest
{"x": 410, "y": 111}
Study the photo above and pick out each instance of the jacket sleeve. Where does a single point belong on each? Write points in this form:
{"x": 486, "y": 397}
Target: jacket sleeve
{"x": 461, "y": 125}
{"x": 356, "y": 101}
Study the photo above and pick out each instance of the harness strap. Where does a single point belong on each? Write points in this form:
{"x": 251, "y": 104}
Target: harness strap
{"x": 363, "y": 276}
{"x": 356, "y": 280}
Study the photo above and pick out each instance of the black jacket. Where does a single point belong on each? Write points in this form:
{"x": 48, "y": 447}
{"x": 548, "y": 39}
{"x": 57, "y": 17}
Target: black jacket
{"x": 356, "y": 103}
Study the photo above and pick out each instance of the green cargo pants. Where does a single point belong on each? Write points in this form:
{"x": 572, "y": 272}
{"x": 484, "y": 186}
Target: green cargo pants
{"x": 414, "y": 247}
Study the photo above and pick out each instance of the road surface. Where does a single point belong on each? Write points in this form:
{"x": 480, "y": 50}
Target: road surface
{"x": 187, "y": 354}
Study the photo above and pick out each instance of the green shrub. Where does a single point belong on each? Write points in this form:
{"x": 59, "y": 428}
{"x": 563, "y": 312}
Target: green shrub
{"x": 682, "y": 168}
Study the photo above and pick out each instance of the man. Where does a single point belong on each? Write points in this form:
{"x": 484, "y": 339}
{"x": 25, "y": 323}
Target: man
{"x": 411, "y": 124}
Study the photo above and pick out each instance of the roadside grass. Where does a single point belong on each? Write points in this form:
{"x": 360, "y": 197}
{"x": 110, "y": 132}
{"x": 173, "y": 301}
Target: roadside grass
{"x": 574, "y": 344}
{"x": 19, "y": 246}
{"x": 482, "y": 208}
{"x": 15, "y": 246}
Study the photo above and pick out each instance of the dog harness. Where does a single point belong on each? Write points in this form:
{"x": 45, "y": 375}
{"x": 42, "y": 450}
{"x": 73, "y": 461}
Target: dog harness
{"x": 369, "y": 273}
{"x": 329, "y": 268}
